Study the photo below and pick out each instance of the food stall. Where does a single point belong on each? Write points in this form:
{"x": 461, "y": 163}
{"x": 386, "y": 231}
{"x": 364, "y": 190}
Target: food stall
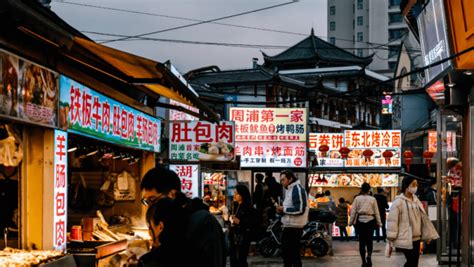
{"x": 109, "y": 148}
{"x": 344, "y": 161}
{"x": 269, "y": 140}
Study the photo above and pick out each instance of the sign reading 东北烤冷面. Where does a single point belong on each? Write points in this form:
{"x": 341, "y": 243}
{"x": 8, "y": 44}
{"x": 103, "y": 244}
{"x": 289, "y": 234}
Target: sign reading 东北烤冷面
{"x": 85, "y": 111}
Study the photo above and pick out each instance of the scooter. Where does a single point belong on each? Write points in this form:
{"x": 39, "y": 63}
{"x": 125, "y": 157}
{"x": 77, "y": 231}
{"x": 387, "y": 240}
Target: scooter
{"x": 314, "y": 236}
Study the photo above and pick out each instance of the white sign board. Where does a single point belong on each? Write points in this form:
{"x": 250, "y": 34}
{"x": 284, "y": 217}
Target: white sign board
{"x": 189, "y": 175}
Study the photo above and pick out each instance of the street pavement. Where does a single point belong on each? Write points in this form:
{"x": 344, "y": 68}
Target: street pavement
{"x": 347, "y": 254}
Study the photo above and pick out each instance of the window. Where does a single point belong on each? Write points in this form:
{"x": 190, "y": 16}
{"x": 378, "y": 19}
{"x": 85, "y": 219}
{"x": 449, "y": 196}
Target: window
{"x": 392, "y": 3}
{"x": 360, "y": 37}
{"x": 360, "y": 52}
{"x": 360, "y": 21}
{"x": 394, "y": 34}
{"x": 392, "y": 65}
{"x": 393, "y": 50}
{"x": 332, "y": 10}
{"x": 332, "y": 40}
{"x": 353, "y": 24}
{"x": 332, "y": 26}
{"x": 360, "y": 4}
{"x": 394, "y": 18}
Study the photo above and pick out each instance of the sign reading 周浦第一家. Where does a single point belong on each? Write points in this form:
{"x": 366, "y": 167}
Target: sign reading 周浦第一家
{"x": 269, "y": 124}
{"x": 84, "y": 111}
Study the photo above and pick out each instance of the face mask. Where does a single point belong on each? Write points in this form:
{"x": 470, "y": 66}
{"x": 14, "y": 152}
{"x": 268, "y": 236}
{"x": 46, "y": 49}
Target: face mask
{"x": 412, "y": 189}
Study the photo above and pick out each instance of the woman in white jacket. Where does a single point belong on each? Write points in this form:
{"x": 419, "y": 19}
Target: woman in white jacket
{"x": 408, "y": 224}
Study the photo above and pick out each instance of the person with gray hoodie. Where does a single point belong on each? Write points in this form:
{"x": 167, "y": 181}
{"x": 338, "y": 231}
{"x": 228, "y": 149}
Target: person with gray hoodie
{"x": 408, "y": 224}
{"x": 295, "y": 216}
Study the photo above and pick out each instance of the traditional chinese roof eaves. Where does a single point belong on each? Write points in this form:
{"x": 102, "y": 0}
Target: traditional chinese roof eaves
{"x": 314, "y": 49}
{"x": 232, "y": 77}
{"x": 335, "y": 72}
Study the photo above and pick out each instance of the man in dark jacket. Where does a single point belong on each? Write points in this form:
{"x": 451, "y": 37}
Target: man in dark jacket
{"x": 383, "y": 206}
{"x": 203, "y": 233}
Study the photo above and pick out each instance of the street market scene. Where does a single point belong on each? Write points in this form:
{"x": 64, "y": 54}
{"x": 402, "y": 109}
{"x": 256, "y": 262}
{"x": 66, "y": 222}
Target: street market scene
{"x": 236, "y": 133}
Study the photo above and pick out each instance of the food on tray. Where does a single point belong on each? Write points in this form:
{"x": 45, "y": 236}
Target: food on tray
{"x": 17, "y": 257}
{"x": 355, "y": 153}
{"x": 344, "y": 179}
{"x": 332, "y": 179}
{"x": 390, "y": 180}
{"x": 216, "y": 150}
{"x": 377, "y": 153}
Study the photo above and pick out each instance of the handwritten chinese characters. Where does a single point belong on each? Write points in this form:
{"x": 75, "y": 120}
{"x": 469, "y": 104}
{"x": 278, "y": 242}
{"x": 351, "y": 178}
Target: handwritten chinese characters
{"x": 199, "y": 140}
{"x": 269, "y": 124}
{"x": 189, "y": 178}
{"x": 60, "y": 190}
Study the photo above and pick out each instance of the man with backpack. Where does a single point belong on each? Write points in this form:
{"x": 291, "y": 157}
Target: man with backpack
{"x": 203, "y": 233}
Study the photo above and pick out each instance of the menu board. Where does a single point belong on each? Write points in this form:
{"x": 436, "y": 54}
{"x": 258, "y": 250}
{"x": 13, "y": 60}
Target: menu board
{"x": 28, "y": 92}
{"x": 201, "y": 141}
{"x": 269, "y": 154}
{"x": 353, "y": 179}
{"x": 378, "y": 142}
{"x": 450, "y": 141}
{"x": 269, "y": 124}
{"x": 334, "y": 141}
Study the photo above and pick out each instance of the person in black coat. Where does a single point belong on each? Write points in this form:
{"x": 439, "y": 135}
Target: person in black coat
{"x": 382, "y": 204}
{"x": 243, "y": 222}
{"x": 166, "y": 221}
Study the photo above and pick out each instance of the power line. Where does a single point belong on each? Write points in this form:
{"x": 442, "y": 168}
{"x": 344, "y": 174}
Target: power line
{"x": 203, "y": 22}
{"x": 197, "y": 20}
{"x": 240, "y": 45}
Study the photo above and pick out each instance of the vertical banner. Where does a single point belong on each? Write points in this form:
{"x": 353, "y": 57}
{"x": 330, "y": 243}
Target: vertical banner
{"x": 60, "y": 190}
{"x": 189, "y": 175}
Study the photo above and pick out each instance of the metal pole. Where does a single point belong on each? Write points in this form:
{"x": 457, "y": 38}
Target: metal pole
{"x": 439, "y": 201}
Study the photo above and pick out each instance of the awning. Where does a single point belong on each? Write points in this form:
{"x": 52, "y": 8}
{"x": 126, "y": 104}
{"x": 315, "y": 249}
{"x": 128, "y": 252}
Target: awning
{"x": 140, "y": 72}
{"x": 38, "y": 34}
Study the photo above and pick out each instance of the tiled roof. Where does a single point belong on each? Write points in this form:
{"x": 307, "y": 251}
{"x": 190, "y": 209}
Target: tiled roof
{"x": 314, "y": 49}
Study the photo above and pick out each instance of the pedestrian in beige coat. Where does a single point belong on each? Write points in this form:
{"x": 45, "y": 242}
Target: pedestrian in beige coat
{"x": 408, "y": 224}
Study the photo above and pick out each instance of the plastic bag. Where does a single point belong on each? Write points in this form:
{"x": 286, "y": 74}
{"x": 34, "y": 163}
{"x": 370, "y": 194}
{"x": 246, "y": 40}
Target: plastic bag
{"x": 388, "y": 250}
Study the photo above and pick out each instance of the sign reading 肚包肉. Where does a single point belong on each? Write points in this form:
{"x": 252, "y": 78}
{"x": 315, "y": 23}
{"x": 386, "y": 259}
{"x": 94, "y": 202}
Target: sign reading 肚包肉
{"x": 201, "y": 141}
{"x": 84, "y": 111}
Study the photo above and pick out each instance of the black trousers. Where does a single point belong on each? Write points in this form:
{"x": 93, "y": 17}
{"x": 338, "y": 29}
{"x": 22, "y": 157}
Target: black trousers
{"x": 412, "y": 255}
{"x": 384, "y": 231}
{"x": 343, "y": 231}
{"x": 291, "y": 247}
{"x": 239, "y": 249}
{"x": 366, "y": 236}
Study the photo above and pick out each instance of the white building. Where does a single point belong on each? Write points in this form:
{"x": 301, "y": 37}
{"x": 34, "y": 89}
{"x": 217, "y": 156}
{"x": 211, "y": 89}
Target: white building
{"x": 364, "y": 27}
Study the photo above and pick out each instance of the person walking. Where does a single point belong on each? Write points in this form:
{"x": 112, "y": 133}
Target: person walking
{"x": 165, "y": 220}
{"x": 258, "y": 201}
{"x": 382, "y": 204}
{"x": 202, "y": 231}
{"x": 408, "y": 224}
{"x": 295, "y": 216}
{"x": 243, "y": 222}
{"x": 342, "y": 218}
{"x": 365, "y": 216}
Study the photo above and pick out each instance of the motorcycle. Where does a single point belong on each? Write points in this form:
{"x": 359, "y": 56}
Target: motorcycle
{"x": 314, "y": 236}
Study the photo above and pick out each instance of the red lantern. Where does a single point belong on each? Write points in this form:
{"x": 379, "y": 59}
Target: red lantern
{"x": 324, "y": 150}
{"x": 427, "y": 155}
{"x": 408, "y": 155}
{"x": 344, "y": 152}
{"x": 367, "y": 155}
{"x": 387, "y": 154}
